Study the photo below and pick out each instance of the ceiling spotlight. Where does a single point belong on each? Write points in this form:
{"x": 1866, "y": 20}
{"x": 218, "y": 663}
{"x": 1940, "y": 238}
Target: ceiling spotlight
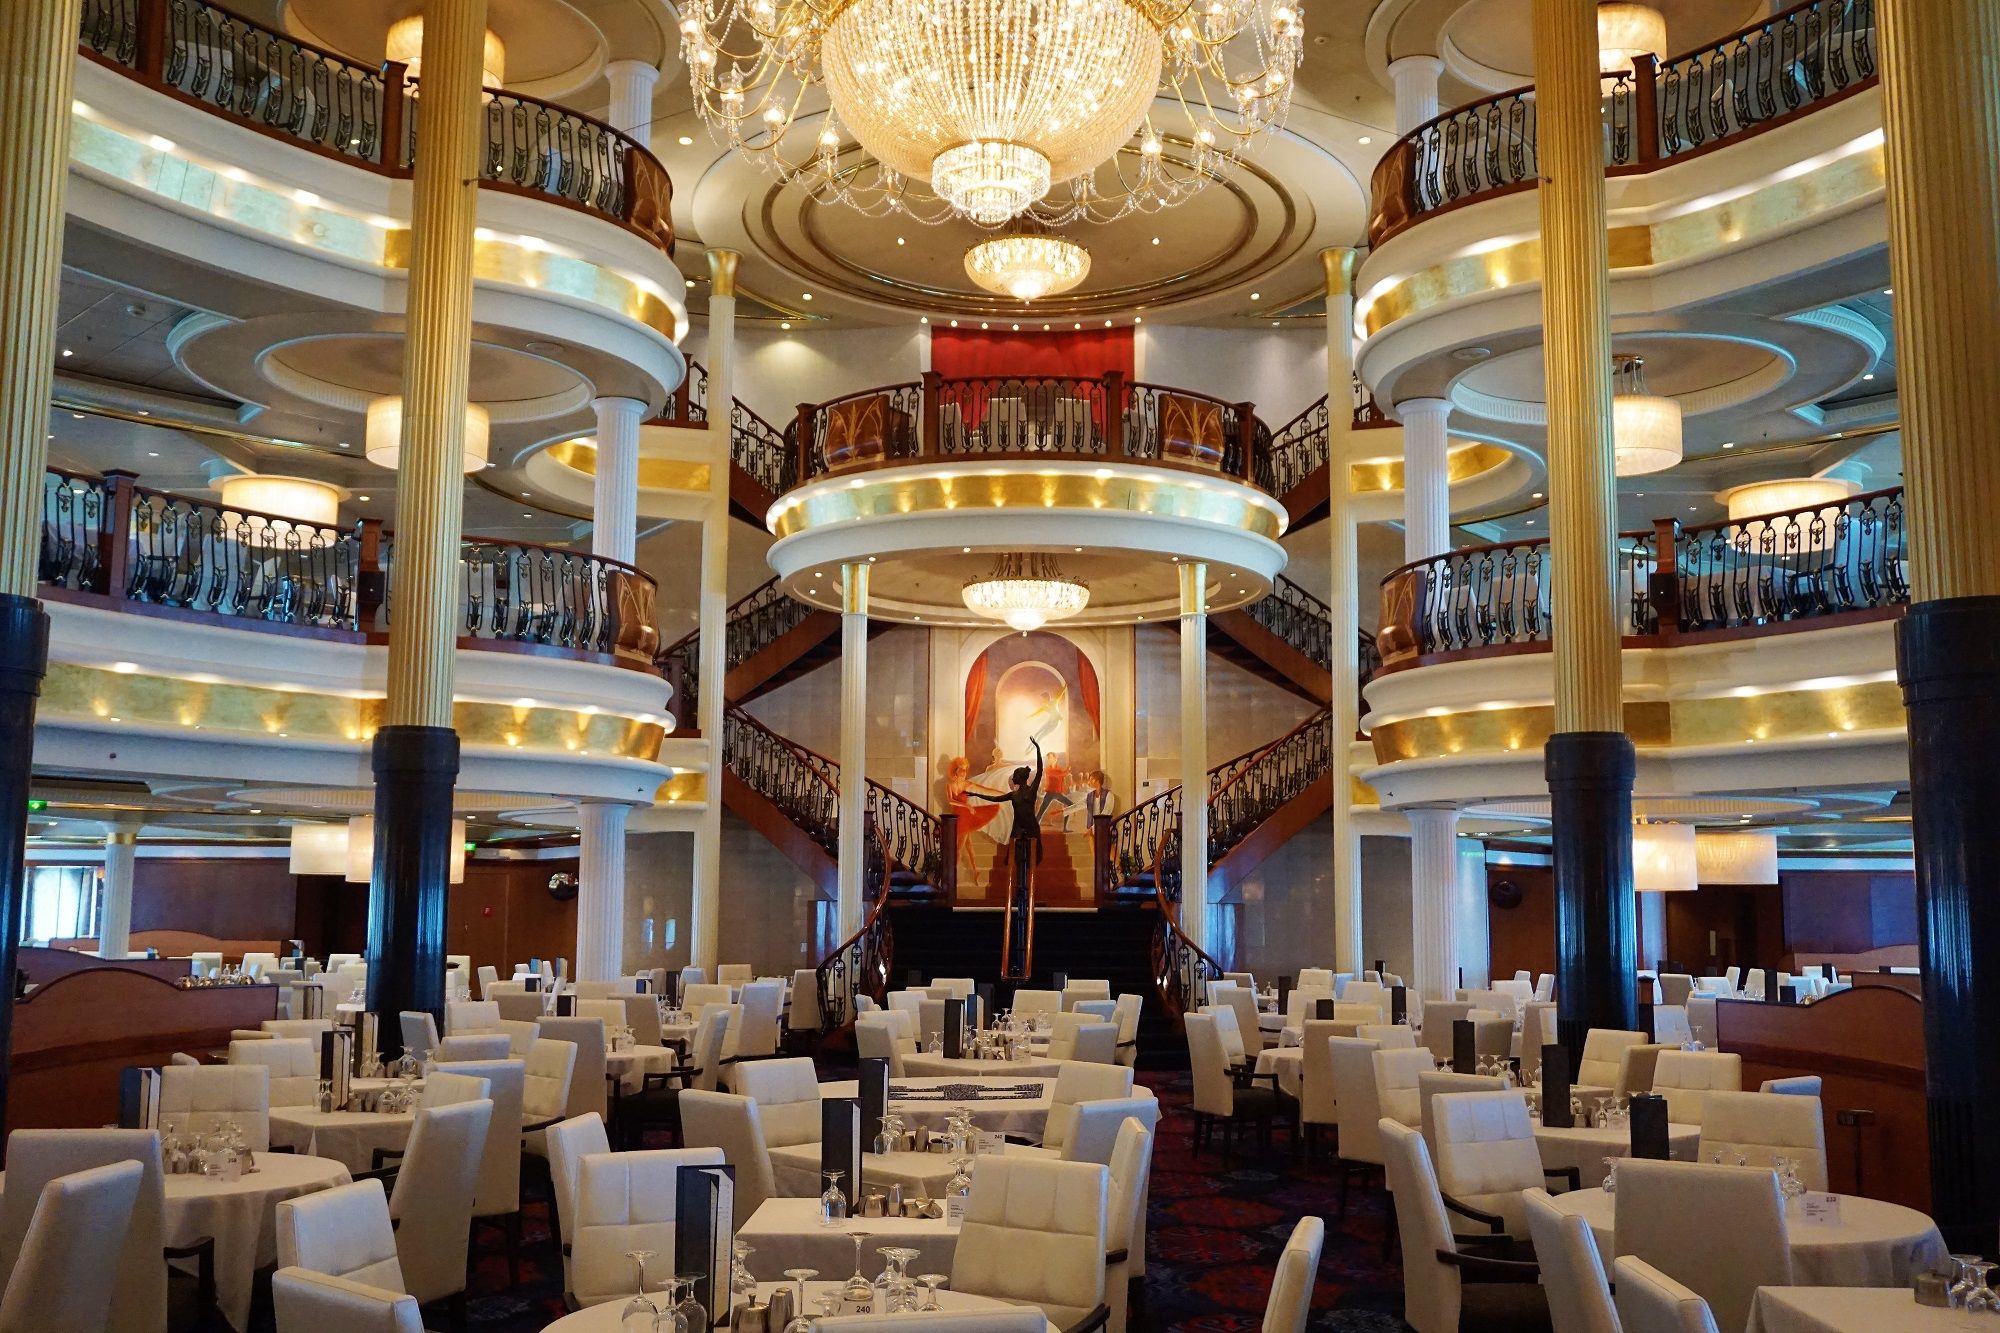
{"x": 1156, "y": 240}
{"x": 923, "y": 319}
{"x": 784, "y": 324}
{"x": 1256, "y": 296}
{"x": 805, "y": 296}
{"x": 899, "y": 240}
{"x": 686, "y": 140}
{"x": 1365, "y": 139}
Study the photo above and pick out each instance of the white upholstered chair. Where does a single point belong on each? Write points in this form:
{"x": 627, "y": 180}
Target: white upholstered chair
{"x": 762, "y": 1002}
{"x": 308, "y": 1029}
{"x": 1126, "y": 1011}
{"x": 885, "y": 1035}
{"x": 342, "y": 1232}
{"x": 309, "y": 1302}
{"x": 1686, "y": 1078}
{"x": 498, "y": 1196}
{"x": 726, "y": 1121}
{"x": 1290, "y": 1303}
{"x": 587, "y": 1088}
{"x": 1487, "y": 1159}
{"x": 1034, "y": 1235}
{"x": 1248, "y": 1021}
{"x": 420, "y": 1035}
{"x": 735, "y": 974}
{"x": 1436, "y": 1296}
{"x": 1671, "y": 1026}
{"x": 1398, "y": 1094}
{"x": 1028, "y": 1003}
{"x": 1388, "y": 1036}
{"x": 570, "y": 1141}
{"x": 1131, "y": 1166}
{"x": 1799, "y": 1085}
{"x": 203, "y": 1098}
{"x": 37, "y": 1156}
{"x": 1357, "y": 1110}
{"x": 625, "y": 1201}
{"x": 1572, "y": 1270}
{"x": 1762, "y": 1126}
{"x": 1603, "y": 1057}
{"x": 1439, "y": 1018}
{"x": 1724, "y": 1264}
{"x": 482, "y": 1046}
{"x": 433, "y": 1198}
{"x": 1080, "y": 1081}
{"x": 698, "y": 997}
{"x": 58, "y": 1281}
{"x": 1651, "y": 1302}
{"x": 788, "y": 1114}
{"x": 1235, "y": 1054}
{"x": 1217, "y": 1098}
{"x": 293, "y": 1063}
{"x": 1078, "y": 1036}
{"x": 470, "y": 1018}
{"x": 545, "y": 1091}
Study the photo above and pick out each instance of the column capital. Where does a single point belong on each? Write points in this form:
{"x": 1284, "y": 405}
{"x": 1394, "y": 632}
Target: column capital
{"x": 1194, "y": 587}
{"x": 1405, "y": 67}
{"x": 854, "y": 588}
{"x": 1339, "y": 263}
{"x": 638, "y": 71}
{"x": 1423, "y": 408}
{"x": 722, "y": 272}
{"x": 614, "y": 404}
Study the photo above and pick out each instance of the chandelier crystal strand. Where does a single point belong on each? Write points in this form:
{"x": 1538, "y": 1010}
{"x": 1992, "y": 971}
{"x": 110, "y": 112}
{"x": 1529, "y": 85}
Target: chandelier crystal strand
{"x": 1026, "y": 591}
{"x": 993, "y": 108}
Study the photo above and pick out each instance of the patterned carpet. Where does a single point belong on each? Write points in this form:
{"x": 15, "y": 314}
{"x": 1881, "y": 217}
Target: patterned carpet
{"x": 1216, "y": 1230}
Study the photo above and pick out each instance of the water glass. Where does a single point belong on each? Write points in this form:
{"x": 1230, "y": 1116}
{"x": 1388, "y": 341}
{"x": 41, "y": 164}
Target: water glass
{"x": 638, "y": 1314}
{"x": 833, "y": 1203}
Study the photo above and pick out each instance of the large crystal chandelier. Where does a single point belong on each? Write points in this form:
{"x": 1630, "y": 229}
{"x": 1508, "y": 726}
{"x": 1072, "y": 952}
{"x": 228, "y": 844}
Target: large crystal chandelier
{"x": 1000, "y": 107}
{"x": 1027, "y": 265}
{"x": 1027, "y": 591}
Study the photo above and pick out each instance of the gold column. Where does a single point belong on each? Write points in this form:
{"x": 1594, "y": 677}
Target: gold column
{"x": 437, "y": 354}
{"x": 1941, "y": 123}
{"x": 1343, "y": 602}
{"x": 1576, "y": 315}
{"x": 37, "y": 65}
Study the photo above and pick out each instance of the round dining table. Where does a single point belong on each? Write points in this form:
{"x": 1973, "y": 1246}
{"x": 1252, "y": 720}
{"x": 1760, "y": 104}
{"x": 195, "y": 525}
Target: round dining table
{"x": 965, "y": 1067}
{"x": 242, "y": 1215}
{"x": 1586, "y": 1146}
{"x": 1855, "y": 1310}
{"x": 1874, "y": 1244}
{"x": 605, "y": 1318}
{"x": 785, "y": 1233}
{"x": 1018, "y": 1106}
{"x": 348, "y": 1137}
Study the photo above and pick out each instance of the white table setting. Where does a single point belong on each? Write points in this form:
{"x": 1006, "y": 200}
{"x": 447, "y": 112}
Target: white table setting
{"x": 605, "y": 1318}
{"x": 1288, "y": 1063}
{"x": 1872, "y": 1244}
{"x": 347, "y": 1137}
{"x": 1856, "y": 1310}
{"x": 786, "y": 1233}
{"x": 242, "y": 1215}
{"x": 1017, "y": 1106}
{"x": 1586, "y": 1146}
{"x": 795, "y": 1170}
{"x": 964, "y": 1067}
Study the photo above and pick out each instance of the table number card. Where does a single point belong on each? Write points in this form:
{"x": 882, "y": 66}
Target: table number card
{"x": 989, "y": 1141}
{"x": 1649, "y": 1126}
{"x": 1555, "y": 1087}
{"x": 874, "y": 1098}
{"x": 1821, "y": 1208}
{"x": 704, "y": 1227}
{"x": 1464, "y": 1046}
{"x": 840, "y": 1145}
{"x": 1399, "y": 1004}
{"x": 954, "y": 1029}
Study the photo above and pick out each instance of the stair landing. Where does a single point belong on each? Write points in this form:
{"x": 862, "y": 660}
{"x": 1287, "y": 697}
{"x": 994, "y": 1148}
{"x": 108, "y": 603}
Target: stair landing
{"x": 1062, "y": 880}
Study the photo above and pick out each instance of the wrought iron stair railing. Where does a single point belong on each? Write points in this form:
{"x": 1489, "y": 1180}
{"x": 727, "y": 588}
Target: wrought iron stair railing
{"x": 753, "y": 623}
{"x": 1181, "y": 969}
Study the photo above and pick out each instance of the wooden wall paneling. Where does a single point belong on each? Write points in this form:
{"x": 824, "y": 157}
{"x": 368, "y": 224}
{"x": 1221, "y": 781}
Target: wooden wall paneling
{"x": 1523, "y": 936}
{"x": 45, "y": 965}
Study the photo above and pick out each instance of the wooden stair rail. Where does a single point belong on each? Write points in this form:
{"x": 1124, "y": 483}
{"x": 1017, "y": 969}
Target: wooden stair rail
{"x": 1009, "y": 971}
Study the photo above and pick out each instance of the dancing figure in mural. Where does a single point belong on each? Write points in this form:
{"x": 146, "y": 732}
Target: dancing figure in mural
{"x": 1024, "y": 843}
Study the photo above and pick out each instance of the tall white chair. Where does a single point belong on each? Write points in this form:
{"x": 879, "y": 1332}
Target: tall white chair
{"x": 1603, "y": 1060}
{"x": 58, "y": 1282}
{"x": 471, "y": 1018}
{"x": 1316, "y": 978}
{"x": 1317, "y": 1108}
{"x": 497, "y": 1199}
{"x": 308, "y": 1302}
{"x": 570, "y": 1142}
{"x": 761, "y": 1001}
{"x": 1065, "y": 1040}
{"x": 1028, "y": 1003}
{"x": 485, "y": 1046}
{"x": 1290, "y": 1303}
{"x": 420, "y": 1034}
{"x": 1235, "y": 1053}
{"x": 1724, "y": 1264}
{"x": 1545, "y": 987}
{"x": 959, "y": 988}
{"x": 1126, "y": 1013}
{"x": 1686, "y": 1078}
{"x": 788, "y": 1113}
{"x": 342, "y": 1232}
{"x": 545, "y": 1091}
{"x": 1436, "y": 1296}
{"x": 587, "y": 1089}
{"x": 1080, "y": 1081}
{"x": 1131, "y": 1167}
{"x": 729, "y": 1122}
{"x": 1244, "y": 1003}
{"x": 1487, "y": 1159}
{"x": 1247, "y": 980}
{"x": 1398, "y": 1094}
{"x": 698, "y": 997}
{"x": 625, "y": 1201}
{"x": 489, "y": 977}
{"x": 885, "y": 1035}
{"x": 260, "y": 965}
{"x": 1093, "y": 1134}
{"x": 1799, "y": 1085}
{"x": 433, "y": 1198}
{"x": 1357, "y": 1109}
{"x": 1762, "y": 1126}
{"x": 1217, "y": 1099}
{"x": 37, "y": 1156}
{"x": 1034, "y": 1234}
{"x": 1440, "y": 1018}
{"x": 1651, "y": 1302}
{"x": 203, "y": 1098}
{"x": 206, "y": 964}
{"x": 735, "y": 974}
{"x": 1572, "y": 1270}
{"x": 293, "y": 1064}
{"x": 802, "y": 1007}
{"x": 1368, "y": 992}
{"x": 598, "y": 990}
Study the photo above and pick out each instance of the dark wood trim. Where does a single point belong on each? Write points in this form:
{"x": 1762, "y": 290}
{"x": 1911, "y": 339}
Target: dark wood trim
{"x": 251, "y": 624}
{"x": 1301, "y": 674}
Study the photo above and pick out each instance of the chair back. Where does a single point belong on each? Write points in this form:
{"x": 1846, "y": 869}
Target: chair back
{"x": 1675, "y": 987}
{"x": 1398, "y": 1094}
{"x": 1651, "y": 1302}
{"x": 434, "y": 1194}
{"x": 802, "y": 1009}
{"x": 570, "y": 1141}
{"x": 37, "y": 1156}
{"x": 1034, "y": 1232}
{"x": 959, "y": 988}
{"x": 1316, "y": 1097}
{"x": 489, "y": 977}
{"x": 1686, "y": 1078}
{"x": 598, "y": 990}
{"x": 1080, "y": 1081}
{"x": 1439, "y": 1018}
{"x": 642, "y": 1016}
{"x": 1724, "y": 1264}
{"x": 1093, "y": 1134}
{"x": 342, "y": 1232}
{"x": 1573, "y": 1272}
{"x": 1431, "y": 1295}
{"x": 58, "y": 1283}
{"x": 1248, "y": 1022}
{"x": 787, "y": 1097}
{"x": 499, "y": 1191}
{"x": 692, "y": 976}
{"x": 293, "y": 1063}
{"x": 1603, "y": 1056}
{"x": 1292, "y": 1284}
{"x": 930, "y": 1018}
{"x": 697, "y": 997}
{"x": 761, "y": 1001}
{"x": 308, "y": 1302}
{"x": 726, "y": 1121}
{"x": 875, "y": 1038}
{"x": 485, "y": 1046}
{"x": 1432, "y": 1085}
{"x": 1545, "y": 987}
{"x": 711, "y": 1038}
{"x": 1131, "y": 1167}
{"x": 470, "y": 1018}
{"x": 1316, "y": 978}
{"x": 1126, "y": 1012}
{"x": 1638, "y": 1066}
{"x": 1214, "y": 1093}
{"x": 260, "y": 965}
{"x": 1247, "y": 980}
{"x": 1351, "y": 1061}
{"x": 1368, "y": 992}
{"x": 587, "y": 1090}
{"x": 1486, "y": 1153}
{"x": 735, "y": 974}
{"x": 308, "y": 1029}
{"x": 1389, "y": 1036}
{"x": 549, "y": 1068}
{"x": 420, "y": 1034}
{"x": 1078, "y": 992}
{"x": 204, "y": 1098}
{"x": 1228, "y": 1033}
{"x": 1303, "y": 1004}
{"x": 1028, "y": 1003}
{"x": 1801, "y": 1085}
{"x": 626, "y": 1201}
{"x": 1761, "y": 1127}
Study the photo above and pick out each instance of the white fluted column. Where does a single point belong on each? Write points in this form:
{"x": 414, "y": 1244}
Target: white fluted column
{"x": 600, "y": 891}
{"x": 1194, "y": 751}
{"x": 1344, "y": 607}
{"x": 849, "y": 904}
{"x": 1415, "y": 79}
{"x": 114, "y": 917}
{"x": 1434, "y": 902}
{"x": 705, "y": 946}
{"x": 631, "y": 107}
{"x": 614, "y": 520}
{"x": 1426, "y": 484}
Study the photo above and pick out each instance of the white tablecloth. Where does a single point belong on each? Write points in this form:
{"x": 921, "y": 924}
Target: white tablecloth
{"x": 1023, "y": 1116}
{"x": 1288, "y": 1063}
{"x": 786, "y": 1234}
{"x": 347, "y": 1137}
{"x": 795, "y": 1172}
{"x": 936, "y": 1066}
{"x": 1877, "y": 1244}
{"x": 1856, "y": 1310}
{"x": 631, "y": 1065}
{"x": 243, "y": 1218}
{"x": 604, "y": 1318}
{"x": 1586, "y": 1149}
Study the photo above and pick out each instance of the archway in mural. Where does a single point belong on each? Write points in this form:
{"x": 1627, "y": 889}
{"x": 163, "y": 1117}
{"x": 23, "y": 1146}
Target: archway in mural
{"x": 1026, "y": 689}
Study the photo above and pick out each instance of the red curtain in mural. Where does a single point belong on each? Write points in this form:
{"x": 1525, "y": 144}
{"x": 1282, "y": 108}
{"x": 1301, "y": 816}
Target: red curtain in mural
{"x": 975, "y": 690}
{"x": 963, "y": 353}
{"x": 1086, "y": 680}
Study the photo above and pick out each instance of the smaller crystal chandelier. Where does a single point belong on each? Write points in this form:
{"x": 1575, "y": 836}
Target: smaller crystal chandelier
{"x": 1027, "y": 591}
{"x": 1645, "y": 427}
{"x": 1027, "y": 265}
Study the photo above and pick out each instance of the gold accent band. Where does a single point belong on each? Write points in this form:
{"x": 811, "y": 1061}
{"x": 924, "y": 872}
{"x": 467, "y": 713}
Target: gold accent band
{"x": 722, "y": 265}
{"x": 655, "y": 474}
{"x": 141, "y": 700}
{"x": 854, "y": 588}
{"x": 893, "y": 491}
{"x": 1339, "y": 263}
{"x": 684, "y": 788}
{"x": 1460, "y": 464}
{"x": 1782, "y": 715}
{"x": 1194, "y": 588}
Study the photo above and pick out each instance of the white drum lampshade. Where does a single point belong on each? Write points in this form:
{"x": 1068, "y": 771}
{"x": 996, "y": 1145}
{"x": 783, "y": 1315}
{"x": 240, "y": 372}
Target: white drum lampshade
{"x": 319, "y": 849}
{"x": 405, "y": 42}
{"x": 300, "y": 499}
{"x": 1663, "y": 858}
{"x": 1645, "y": 427}
{"x": 1744, "y": 857}
{"x": 360, "y": 865}
{"x": 1626, "y": 31}
{"x": 384, "y": 440}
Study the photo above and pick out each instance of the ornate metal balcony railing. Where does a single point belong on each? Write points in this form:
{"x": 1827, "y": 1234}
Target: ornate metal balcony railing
{"x": 1026, "y": 417}
{"x": 1811, "y": 565}
{"x": 761, "y": 450}
{"x": 860, "y": 964}
{"x": 804, "y": 786}
{"x": 208, "y": 55}
{"x": 524, "y": 592}
{"x": 1249, "y": 789}
{"x": 1298, "y": 449}
{"x": 753, "y": 623}
{"x": 689, "y": 404}
{"x": 1784, "y": 65}
{"x": 1125, "y": 844}
{"x": 1299, "y": 618}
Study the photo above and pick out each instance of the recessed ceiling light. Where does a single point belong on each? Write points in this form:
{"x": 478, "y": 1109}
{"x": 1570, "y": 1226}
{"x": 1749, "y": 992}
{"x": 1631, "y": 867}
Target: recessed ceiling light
{"x": 899, "y": 240}
{"x": 805, "y": 296}
{"x": 1868, "y": 377}
{"x": 686, "y": 139}
{"x": 1256, "y": 296}
{"x": 690, "y": 282}
{"x": 1888, "y": 291}
{"x": 345, "y": 445}
{"x": 361, "y": 497}
{"x": 526, "y": 514}
{"x": 1107, "y": 323}
{"x": 152, "y": 453}
{"x": 954, "y": 323}
{"x": 1730, "y": 445}
{"x": 1137, "y": 320}
{"x": 524, "y": 495}
{"x": 1274, "y": 323}
{"x": 67, "y": 352}
{"x": 784, "y": 324}
{"x": 1365, "y": 139}
{"x": 1017, "y": 328}
{"x": 965, "y": 550}
{"x": 1156, "y": 240}
{"x": 1045, "y": 328}
{"x": 162, "y": 143}
{"x": 1531, "y": 522}
{"x": 985, "y": 325}
{"x": 1538, "y": 495}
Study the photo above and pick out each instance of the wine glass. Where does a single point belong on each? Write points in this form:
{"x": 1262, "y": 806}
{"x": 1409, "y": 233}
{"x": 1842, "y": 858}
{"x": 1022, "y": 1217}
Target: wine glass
{"x": 1982, "y": 1296}
{"x": 742, "y": 1286}
{"x": 832, "y": 1204}
{"x": 688, "y": 1309}
{"x": 1611, "y": 1175}
{"x": 1962, "y": 1285}
{"x": 637, "y": 1316}
{"x": 859, "y": 1290}
{"x": 668, "y": 1318}
{"x": 801, "y": 1322}
{"x": 931, "y": 1281}
{"x": 902, "y": 1293}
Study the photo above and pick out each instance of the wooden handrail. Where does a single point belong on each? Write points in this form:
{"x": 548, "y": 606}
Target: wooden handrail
{"x": 874, "y": 913}
{"x": 1249, "y": 759}
{"x": 217, "y": 505}
{"x": 1459, "y": 552}
{"x": 727, "y": 615}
